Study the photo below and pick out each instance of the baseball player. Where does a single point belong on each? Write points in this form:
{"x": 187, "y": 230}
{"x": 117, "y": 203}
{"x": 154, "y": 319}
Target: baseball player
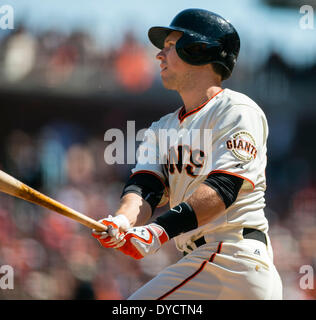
{"x": 215, "y": 189}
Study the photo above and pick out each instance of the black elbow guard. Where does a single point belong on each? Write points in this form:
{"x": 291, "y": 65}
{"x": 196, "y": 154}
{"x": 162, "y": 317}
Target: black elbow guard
{"x": 227, "y": 186}
{"x": 146, "y": 185}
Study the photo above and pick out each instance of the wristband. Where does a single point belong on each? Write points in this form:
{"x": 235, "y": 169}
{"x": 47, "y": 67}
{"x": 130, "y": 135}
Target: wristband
{"x": 177, "y": 220}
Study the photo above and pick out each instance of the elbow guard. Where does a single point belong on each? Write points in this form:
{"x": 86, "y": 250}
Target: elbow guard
{"x": 146, "y": 185}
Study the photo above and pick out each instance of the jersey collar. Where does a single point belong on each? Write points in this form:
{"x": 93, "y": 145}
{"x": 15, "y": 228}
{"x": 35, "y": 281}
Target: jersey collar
{"x": 182, "y": 114}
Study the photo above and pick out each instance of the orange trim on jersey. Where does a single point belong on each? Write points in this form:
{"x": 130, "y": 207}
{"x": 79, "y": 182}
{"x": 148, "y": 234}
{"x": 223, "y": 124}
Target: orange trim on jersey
{"x": 182, "y": 115}
{"x": 219, "y": 248}
{"x": 232, "y": 174}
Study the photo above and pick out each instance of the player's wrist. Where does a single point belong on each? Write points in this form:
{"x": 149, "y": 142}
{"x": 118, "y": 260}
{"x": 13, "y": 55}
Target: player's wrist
{"x": 177, "y": 220}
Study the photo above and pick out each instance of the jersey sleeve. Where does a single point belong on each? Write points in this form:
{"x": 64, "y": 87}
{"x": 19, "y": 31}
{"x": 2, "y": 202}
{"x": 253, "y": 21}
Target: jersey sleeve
{"x": 150, "y": 160}
{"x": 239, "y": 144}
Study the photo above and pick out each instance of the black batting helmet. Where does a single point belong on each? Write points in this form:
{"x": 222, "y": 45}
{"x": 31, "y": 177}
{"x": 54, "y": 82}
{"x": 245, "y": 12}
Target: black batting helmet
{"x": 207, "y": 38}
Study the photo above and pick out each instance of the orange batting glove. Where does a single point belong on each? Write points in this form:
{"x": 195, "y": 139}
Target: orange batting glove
{"x": 114, "y": 236}
{"x": 141, "y": 241}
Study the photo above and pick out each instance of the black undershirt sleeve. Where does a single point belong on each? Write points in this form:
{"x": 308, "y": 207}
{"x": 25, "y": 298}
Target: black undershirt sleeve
{"x": 146, "y": 185}
{"x": 227, "y": 186}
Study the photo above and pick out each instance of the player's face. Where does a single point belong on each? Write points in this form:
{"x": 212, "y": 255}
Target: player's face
{"x": 174, "y": 71}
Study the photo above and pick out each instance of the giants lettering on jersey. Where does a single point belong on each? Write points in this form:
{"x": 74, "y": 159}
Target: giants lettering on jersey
{"x": 243, "y": 146}
{"x": 181, "y": 157}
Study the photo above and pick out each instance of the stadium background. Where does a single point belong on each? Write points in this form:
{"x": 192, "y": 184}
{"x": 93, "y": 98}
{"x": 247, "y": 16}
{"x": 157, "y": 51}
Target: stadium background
{"x": 66, "y": 78}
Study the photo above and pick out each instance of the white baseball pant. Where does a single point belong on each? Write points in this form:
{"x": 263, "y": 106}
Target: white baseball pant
{"x": 241, "y": 270}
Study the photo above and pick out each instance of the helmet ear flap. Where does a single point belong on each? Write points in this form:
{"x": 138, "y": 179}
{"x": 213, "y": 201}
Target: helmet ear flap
{"x": 196, "y": 52}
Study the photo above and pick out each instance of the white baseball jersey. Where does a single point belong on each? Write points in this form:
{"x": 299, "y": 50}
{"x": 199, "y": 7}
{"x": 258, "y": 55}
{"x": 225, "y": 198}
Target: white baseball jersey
{"x": 236, "y": 146}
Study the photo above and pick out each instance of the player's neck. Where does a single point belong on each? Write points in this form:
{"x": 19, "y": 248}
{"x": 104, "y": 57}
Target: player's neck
{"x": 197, "y": 96}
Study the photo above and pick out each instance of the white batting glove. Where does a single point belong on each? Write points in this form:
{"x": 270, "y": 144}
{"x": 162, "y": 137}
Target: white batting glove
{"x": 141, "y": 241}
{"x": 113, "y": 237}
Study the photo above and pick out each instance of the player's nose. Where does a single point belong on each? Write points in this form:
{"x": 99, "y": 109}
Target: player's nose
{"x": 161, "y": 55}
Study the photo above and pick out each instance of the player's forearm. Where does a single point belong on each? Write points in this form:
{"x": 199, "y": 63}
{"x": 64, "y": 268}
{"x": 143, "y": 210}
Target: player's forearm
{"x": 203, "y": 206}
{"x": 135, "y": 208}
{"x": 206, "y": 203}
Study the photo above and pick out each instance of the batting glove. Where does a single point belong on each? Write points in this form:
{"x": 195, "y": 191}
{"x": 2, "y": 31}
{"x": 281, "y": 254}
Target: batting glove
{"x": 141, "y": 241}
{"x": 113, "y": 237}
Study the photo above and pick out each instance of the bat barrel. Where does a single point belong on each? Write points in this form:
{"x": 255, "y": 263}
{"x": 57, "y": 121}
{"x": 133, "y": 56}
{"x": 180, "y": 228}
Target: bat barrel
{"x": 16, "y": 188}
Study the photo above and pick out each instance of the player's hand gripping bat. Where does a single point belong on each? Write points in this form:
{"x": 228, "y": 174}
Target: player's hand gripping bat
{"x": 16, "y": 188}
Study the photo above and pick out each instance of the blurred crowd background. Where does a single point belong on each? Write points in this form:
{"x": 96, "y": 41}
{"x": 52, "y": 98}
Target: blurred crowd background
{"x": 59, "y": 94}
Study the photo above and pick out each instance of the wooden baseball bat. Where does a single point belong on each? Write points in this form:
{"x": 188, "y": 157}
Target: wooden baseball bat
{"x": 16, "y": 188}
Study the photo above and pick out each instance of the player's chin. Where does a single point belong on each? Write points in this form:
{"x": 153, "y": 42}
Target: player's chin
{"x": 168, "y": 84}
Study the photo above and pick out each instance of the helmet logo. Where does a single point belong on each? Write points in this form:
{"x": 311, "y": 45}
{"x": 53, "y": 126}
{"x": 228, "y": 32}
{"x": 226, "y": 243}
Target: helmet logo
{"x": 224, "y": 54}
